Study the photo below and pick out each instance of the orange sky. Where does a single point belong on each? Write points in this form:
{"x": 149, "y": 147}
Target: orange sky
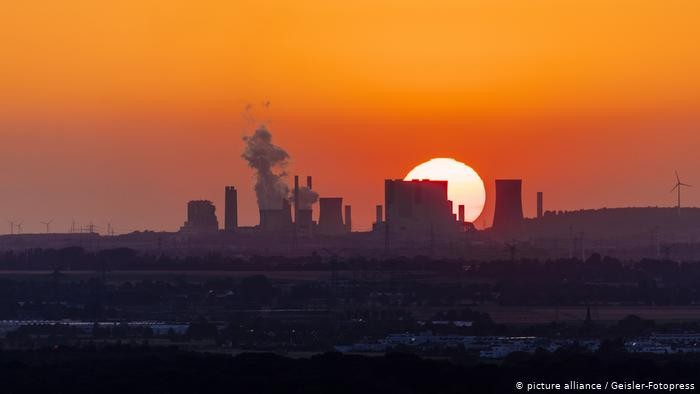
{"x": 125, "y": 111}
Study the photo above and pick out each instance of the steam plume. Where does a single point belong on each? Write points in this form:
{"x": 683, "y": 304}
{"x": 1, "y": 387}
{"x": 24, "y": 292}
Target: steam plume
{"x": 264, "y": 158}
{"x": 307, "y": 197}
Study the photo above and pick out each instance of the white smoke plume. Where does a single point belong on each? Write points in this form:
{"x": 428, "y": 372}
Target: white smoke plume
{"x": 268, "y": 162}
{"x": 307, "y": 197}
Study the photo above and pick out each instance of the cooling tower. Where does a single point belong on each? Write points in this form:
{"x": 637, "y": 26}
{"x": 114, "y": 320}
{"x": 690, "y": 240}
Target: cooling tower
{"x": 330, "y": 217}
{"x": 304, "y": 219}
{"x": 276, "y": 219}
{"x": 508, "y": 216}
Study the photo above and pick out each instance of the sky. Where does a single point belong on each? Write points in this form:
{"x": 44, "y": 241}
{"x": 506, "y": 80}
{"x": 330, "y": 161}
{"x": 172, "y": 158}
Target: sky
{"x": 122, "y": 111}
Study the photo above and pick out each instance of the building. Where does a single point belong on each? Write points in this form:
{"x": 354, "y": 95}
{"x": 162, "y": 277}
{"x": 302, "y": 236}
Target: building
{"x": 418, "y": 209}
{"x": 508, "y": 216}
{"x": 231, "y": 209}
{"x": 201, "y": 217}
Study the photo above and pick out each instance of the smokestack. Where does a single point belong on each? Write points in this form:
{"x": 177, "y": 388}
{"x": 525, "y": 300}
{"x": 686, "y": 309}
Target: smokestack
{"x": 539, "y": 205}
{"x": 348, "y": 218}
{"x": 231, "y": 209}
{"x": 379, "y": 214}
{"x": 460, "y": 209}
{"x": 330, "y": 217}
{"x": 296, "y": 198}
{"x": 308, "y": 182}
{"x": 303, "y": 197}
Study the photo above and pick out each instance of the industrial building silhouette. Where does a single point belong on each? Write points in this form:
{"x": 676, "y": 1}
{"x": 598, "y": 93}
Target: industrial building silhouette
{"x": 416, "y": 219}
{"x": 418, "y": 208}
{"x": 201, "y": 218}
{"x": 413, "y": 209}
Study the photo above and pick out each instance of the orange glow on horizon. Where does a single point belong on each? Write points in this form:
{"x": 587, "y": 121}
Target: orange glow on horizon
{"x": 137, "y": 104}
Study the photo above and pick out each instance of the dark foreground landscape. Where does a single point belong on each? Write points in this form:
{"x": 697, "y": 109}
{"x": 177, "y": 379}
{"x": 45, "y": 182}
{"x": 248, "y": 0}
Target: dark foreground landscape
{"x": 142, "y": 369}
{"x": 115, "y": 321}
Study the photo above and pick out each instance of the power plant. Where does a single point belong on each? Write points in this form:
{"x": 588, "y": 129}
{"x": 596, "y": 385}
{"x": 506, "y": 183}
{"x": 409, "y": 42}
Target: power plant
{"x": 411, "y": 208}
{"x": 416, "y": 219}
{"x": 414, "y": 209}
{"x": 416, "y": 216}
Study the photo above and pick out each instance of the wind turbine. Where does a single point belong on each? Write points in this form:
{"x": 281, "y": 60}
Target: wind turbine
{"x": 90, "y": 228}
{"x": 12, "y": 226}
{"x": 678, "y": 187}
{"x": 110, "y": 229}
{"x": 47, "y": 224}
{"x": 19, "y": 227}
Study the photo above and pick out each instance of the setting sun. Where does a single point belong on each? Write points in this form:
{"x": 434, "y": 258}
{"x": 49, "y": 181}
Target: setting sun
{"x": 464, "y": 185}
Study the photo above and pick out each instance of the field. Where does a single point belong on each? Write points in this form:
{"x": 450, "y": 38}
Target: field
{"x": 500, "y": 314}
{"x": 602, "y": 313}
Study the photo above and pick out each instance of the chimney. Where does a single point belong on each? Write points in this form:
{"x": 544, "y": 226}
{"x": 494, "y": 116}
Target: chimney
{"x": 539, "y": 205}
{"x": 348, "y": 218}
{"x": 379, "y": 214}
{"x": 296, "y": 198}
{"x": 230, "y": 209}
{"x": 308, "y": 182}
{"x": 460, "y": 209}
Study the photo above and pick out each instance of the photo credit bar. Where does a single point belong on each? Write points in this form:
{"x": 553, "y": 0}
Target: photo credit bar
{"x": 611, "y": 385}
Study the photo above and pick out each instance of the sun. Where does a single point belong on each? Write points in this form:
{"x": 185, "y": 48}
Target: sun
{"x": 464, "y": 185}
